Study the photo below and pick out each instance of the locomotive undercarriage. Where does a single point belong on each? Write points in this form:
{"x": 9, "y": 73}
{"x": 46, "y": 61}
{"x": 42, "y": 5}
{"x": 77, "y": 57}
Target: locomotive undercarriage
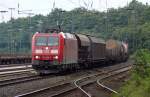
{"x": 46, "y": 67}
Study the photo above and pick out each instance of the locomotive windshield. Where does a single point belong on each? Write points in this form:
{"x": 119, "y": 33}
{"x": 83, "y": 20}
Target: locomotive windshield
{"x": 52, "y": 41}
{"x": 41, "y": 41}
{"x": 46, "y": 41}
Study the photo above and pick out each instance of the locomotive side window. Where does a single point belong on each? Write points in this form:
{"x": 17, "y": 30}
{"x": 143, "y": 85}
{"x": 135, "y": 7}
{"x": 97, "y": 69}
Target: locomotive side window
{"x": 52, "y": 41}
{"x": 41, "y": 41}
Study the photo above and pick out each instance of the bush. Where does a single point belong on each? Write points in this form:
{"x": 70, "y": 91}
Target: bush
{"x": 142, "y": 63}
{"x": 139, "y": 84}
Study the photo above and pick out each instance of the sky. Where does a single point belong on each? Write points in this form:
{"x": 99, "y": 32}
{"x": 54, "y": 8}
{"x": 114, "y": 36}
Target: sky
{"x": 45, "y": 6}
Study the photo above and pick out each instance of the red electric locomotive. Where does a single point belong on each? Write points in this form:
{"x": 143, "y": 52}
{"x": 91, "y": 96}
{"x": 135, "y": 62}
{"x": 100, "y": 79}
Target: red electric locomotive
{"x": 50, "y": 51}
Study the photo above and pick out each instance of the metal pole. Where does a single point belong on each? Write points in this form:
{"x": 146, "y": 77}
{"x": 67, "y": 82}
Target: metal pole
{"x": 11, "y": 10}
{"x": 72, "y": 23}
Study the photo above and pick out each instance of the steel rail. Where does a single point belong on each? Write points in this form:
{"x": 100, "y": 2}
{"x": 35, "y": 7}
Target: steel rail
{"x": 108, "y": 88}
{"x": 43, "y": 89}
{"x": 48, "y": 88}
{"x": 110, "y": 73}
{"x": 12, "y": 72}
{"x": 103, "y": 86}
{"x": 19, "y": 80}
{"x": 89, "y": 95}
{"x": 13, "y": 65}
{"x": 14, "y": 68}
{"x": 5, "y": 74}
{"x": 62, "y": 91}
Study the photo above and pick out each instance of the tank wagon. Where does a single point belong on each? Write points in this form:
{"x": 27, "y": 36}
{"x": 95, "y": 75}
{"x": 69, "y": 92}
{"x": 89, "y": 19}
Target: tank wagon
{"x": 116, "y": 51}
{"x": 56, "y": 52}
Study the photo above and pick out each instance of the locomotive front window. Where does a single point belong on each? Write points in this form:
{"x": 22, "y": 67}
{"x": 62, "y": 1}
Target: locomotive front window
{"x": 52, "y": 41}
{"x": 41, "y": 41}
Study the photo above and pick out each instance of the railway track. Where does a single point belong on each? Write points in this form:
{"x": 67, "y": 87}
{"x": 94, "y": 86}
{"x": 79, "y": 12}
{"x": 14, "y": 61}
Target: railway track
{"x": 19, "y": 80}
{"x": 15, "y": 72}
{"x": 13, "y": 65}
{"x": 15, "y": 68}
{"x": 10, "y": 74}
{"x": 13, "y": 75}
{"x": 66, "y": 87}
{"x": 83, "y": 83}
{"x": 110, "y": 84}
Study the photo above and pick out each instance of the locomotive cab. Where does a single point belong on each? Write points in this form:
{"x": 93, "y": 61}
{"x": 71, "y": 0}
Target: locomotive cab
{"x": 46, "y": 50}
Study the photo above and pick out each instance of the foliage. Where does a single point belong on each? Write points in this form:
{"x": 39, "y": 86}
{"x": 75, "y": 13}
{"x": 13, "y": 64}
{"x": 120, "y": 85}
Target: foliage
{"x": 139, "y": 84}
{"x": 142, "y": 63}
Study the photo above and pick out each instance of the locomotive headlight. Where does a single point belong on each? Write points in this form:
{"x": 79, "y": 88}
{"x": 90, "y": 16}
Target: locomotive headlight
{"x": 46, "y": 48}
{"x": 38, "y": 51}
{"x": 37, "y": 57}
{"x": 54, "y": 51}
{"x": 56, "y": 57}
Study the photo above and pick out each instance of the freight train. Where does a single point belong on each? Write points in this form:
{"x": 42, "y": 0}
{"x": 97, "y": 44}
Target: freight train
{"x": 58, "y": 51}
